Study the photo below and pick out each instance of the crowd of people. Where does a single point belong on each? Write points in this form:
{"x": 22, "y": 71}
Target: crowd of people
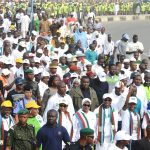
{"x": 65, "y": 86}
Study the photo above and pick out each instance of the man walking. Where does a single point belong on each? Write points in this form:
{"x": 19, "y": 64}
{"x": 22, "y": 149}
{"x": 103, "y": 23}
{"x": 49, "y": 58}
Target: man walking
{"x": 51, "y": 134}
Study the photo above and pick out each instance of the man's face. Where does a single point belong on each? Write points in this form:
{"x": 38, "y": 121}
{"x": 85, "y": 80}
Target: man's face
{"x": 85, "y": 83}
{"x": 90, "y": 139}
{"x": 30, "y": 76}
{"x": 26, "y": 66}
{"x": 133, "y": 66}
{"x": 62, "y": 89}
{"x": 147, "y": 78}
{"x": 6, "y": 111}
{"x": 112, "y": 70}
{"x": 117, "y": 91}
{"x": 138, "y": 80}
{"x": 135, "y": 39}
{"x": 51, "y": 118}
{"x": 132, "y": 106}
{"x": 53, "y": 70}
{"x": 23, "y": 119}
{"x": 126, "y": 65}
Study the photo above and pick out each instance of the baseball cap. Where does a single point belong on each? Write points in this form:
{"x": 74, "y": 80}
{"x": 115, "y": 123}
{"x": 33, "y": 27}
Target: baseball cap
{"x": 18, "y": 81}
{"x": 6, "y": 103}
{"x": 45, "y": 74}
{"x": 119, "y": 84}
{"x": 122, "y": 135}
{"x": 133, "y": 99}
{"x": 63, "y": 101}
{"x": 40, "y": 51}
{"x": 26, "y": 61}
{"x": 19, "y": 60}
{"x": 107, "y": 95}
{"x": 22, "y": 44}
{"x": 32, "y": 104}
{"x": 86, "y": 100}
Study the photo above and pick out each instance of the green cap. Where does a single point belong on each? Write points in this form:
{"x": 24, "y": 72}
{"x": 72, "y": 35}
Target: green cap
{"x": 23, "y": 111}
{"x": 28, "y": 71}
{"x": 86, "y": 131}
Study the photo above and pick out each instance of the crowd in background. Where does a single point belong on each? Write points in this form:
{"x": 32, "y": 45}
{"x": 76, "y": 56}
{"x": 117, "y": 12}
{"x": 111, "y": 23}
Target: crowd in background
{"x": 63, "y": 77}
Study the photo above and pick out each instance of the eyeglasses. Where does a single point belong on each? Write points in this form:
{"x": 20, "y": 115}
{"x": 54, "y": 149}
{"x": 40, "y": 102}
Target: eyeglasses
{"x": 63, "y": 105}
{"x": 91, "y": 136}
{"x": 86, "y": 105}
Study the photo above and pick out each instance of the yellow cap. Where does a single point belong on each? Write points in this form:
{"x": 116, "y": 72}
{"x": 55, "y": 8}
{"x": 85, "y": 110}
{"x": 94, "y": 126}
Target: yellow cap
{"x": 6, "y": 103}
{"x": 32, "y": 104}
{"x": 19, "y": 60}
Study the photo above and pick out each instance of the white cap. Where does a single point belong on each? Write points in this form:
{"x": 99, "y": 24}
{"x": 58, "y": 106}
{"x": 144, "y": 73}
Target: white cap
{"x": 107, "y": 95}
{"x": 37, "y": 71}
{"x": 126, "y": 36}
{"x": 15, "y": 41}
{"x": 133, "y": 99}
{"x": 121, "y": 135}
{"x": 119, "y": 84}
{"x": 126, "y": 60}
{"x": 86, "y": 100}
{"x": 36, "y": 60}
{"x": 7, "y": 62}
{"x": 80, "y": 27}
{"x": 22, "y": 44}
{"x": 31, "y": 55}
{"x": 69, "y": 56}
{"x": 45, "y": 74}
{"x": 5, "y": 72}
{"x": 123, "y": 76}
{"x": 26, "y": 61}
{"x": 63, "y": 101}
{"x": 132, "y": 59}
{"x": 88, "y": 64}
{"x": 79, "y": 54}
{"x": 74, "y": 75}
{"x": 102, "y": 76}
{"x": 34, "y": 33}
{"x": 40, "y": 51}
{"x": 54, "y": 57}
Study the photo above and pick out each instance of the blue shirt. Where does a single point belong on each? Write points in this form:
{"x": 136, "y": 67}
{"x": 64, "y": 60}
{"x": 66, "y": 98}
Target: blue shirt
{"x": 91, "y": 56}
{"x": 51, "y": 137}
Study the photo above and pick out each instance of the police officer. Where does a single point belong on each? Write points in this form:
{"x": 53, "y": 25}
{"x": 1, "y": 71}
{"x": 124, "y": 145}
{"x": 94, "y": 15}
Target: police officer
{"x": 85, "y": 142}
{"x": 21, "y": 136}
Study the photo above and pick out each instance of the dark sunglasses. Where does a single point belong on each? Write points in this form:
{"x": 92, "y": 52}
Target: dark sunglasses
{"x": 108, "y": 99}
{"x": 86, "y": 105}
{"x": 91, "y": 136}
{"x": 63, "y": 105}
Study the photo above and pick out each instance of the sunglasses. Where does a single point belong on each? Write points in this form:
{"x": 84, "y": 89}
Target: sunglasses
{"x": 91, "y": 136}
{"x": 86, "y": 105}
{"x": 63, "y": 105}
{"x": 108, "y": 99}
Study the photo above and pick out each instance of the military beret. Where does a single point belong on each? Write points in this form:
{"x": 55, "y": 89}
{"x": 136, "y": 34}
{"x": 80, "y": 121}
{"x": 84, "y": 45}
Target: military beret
{"x": 23, "y": 111}
{"x": 29, "y": 71}
{"x": 86, "y": 131}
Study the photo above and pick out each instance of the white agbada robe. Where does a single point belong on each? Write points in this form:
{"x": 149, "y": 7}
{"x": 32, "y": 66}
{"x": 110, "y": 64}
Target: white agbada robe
{"x": 25, "y": 21}
{"x": 107, "y": 127}
{"x": 91, "y": 117}
{"x": 126, "y": 123}
{"x": 53, "y": 103}
{"x": 42, "y": 88}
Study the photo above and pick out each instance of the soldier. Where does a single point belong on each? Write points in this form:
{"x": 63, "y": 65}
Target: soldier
{"x": 21, "y": 136}
{"x": 85, "y": 142}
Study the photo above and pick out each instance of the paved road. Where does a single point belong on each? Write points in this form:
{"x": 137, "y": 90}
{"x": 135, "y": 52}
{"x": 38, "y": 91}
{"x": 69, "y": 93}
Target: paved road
{"x": 142, "y": 28}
